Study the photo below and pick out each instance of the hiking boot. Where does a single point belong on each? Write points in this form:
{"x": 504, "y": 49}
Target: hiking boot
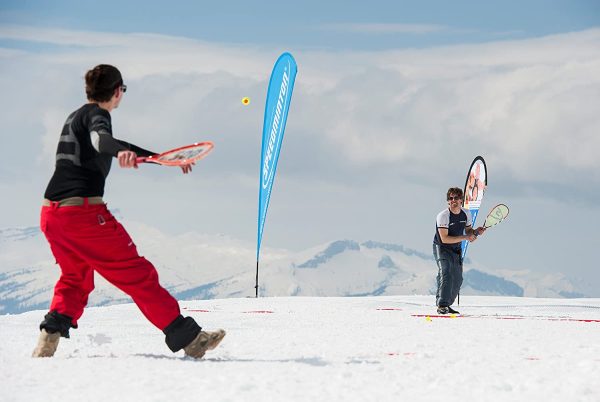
{"x": 443, "y": 310}
{"x": 204, "y": 341}
{"x": 47, "y": 344}
{"x": 452, "y": 311}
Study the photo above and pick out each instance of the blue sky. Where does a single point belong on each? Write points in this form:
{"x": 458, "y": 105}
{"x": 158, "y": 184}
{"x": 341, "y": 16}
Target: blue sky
{"x": 321, "y": 24}
{"x": 392, "y": 102}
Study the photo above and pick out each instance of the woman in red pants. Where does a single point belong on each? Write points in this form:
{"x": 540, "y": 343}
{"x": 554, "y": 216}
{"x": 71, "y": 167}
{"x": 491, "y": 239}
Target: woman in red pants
{"x": 85, "y": 237}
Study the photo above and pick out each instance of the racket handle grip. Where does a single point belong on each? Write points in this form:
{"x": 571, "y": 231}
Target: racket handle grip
{"x": 477, "y": 233}
{"x": 140, "y": 159}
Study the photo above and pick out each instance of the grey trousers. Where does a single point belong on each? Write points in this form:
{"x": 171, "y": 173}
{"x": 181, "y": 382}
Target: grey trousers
{"x": 450, "y": 275}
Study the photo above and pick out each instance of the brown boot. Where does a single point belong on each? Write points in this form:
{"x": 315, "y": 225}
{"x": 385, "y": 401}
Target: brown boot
{"x": 47, "y": 344}
{"x": 204, "y": 341}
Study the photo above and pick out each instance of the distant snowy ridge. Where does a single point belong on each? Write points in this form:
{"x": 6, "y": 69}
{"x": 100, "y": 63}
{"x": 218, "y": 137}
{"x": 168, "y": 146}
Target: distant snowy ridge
{"x": 12, "y": 234}
{"x": 196, "y": 266}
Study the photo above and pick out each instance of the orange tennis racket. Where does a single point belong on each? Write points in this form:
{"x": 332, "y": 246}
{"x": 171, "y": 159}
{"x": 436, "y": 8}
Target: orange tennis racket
{"x": 179, "y": 156}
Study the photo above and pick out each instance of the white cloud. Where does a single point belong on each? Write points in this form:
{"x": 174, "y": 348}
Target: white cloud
{"x": 385, "y": 131}
{"x": 140, "y": 54}
{"x": 382, "y": 28}
{"x": 530, "y": 105}
{"x": 53, "y": 121}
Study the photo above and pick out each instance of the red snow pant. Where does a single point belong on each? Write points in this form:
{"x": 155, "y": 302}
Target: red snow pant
{"x": 88, "y": 238}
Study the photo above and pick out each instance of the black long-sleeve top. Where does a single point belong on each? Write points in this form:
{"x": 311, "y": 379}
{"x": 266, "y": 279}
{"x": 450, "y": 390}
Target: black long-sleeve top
{"x": 84, "y": 154}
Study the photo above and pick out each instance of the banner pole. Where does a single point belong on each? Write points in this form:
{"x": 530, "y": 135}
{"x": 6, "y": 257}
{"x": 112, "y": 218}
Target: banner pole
{"x": 256, "y": 286}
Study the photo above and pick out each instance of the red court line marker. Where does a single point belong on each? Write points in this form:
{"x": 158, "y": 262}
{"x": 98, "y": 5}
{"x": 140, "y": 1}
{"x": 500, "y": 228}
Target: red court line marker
{"x": 437, "y": 316}
{"x": 506, "y": 317}
{"x": 209, "y": 311}
{"x": 259, "y": 311}
{"x": 572, "y": 319}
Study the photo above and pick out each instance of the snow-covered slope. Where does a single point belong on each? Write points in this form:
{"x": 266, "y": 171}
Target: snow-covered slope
{"x": 195, "y": 266}
{"x": 382, "y": 348}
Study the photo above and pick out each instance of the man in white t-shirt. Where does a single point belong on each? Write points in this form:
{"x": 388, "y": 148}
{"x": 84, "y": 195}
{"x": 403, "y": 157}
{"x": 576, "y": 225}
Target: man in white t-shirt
{"x": 453, "y": 225}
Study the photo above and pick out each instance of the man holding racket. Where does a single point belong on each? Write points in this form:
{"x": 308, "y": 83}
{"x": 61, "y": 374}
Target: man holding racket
{"x": 85, "y": 237}
{"x": 453, "y": 225}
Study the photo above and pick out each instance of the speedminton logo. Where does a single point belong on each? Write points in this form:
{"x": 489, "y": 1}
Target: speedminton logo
{"x": 276, "y": 130}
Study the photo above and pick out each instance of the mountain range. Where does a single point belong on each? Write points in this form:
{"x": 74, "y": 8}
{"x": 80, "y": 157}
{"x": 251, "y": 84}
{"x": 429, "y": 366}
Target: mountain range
{"x": 197, "y": 266}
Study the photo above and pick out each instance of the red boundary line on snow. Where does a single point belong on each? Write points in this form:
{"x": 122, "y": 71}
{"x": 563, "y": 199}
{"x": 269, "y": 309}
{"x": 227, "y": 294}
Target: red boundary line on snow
{"x": 259, "y": 311}
{"x": 208, "y": 311}
{"x": 505, "y": 317}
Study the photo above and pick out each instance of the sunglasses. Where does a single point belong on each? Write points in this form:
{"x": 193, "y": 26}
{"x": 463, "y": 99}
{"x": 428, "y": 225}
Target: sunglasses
{"x": 124, "y": 88}
{"x": 455, "y": 198}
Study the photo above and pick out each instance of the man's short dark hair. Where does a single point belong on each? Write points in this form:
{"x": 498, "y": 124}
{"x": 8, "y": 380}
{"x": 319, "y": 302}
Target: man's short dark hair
{"x": 454, "y": 191}
{"x": 101, "y": 82}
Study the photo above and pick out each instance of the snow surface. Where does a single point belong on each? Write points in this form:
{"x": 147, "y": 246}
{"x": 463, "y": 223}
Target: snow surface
{"x": 381, "y": 348}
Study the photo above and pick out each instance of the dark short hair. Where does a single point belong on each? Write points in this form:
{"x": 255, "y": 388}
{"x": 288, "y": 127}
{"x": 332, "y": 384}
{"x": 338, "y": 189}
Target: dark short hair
{"x": 101, "y": 82}
{"x": 455, "y": 191}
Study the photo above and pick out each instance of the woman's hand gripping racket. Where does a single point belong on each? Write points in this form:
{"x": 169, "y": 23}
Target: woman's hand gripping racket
{"x": 495, "y": 216}
{"x": 183, "y": 157}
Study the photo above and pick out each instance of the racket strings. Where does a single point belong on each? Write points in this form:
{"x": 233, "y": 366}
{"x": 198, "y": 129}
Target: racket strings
{"x": 186, "y": 155}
